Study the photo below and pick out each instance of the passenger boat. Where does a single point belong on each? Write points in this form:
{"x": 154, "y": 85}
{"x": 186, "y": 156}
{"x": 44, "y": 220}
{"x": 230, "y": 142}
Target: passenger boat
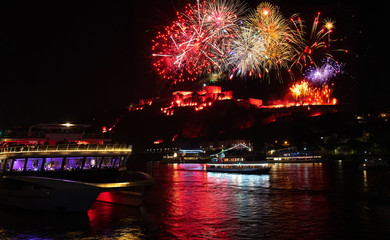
{"x": 35, "y": 178}
{"x": 68, "y": 177}
{"x": 292, "y": 155}
{"x": 245, "y": 168}
{"x": 236, "y": 164}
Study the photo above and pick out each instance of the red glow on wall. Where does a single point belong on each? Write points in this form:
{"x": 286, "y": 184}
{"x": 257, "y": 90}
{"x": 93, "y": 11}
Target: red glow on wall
{"x": 256, "y": 102}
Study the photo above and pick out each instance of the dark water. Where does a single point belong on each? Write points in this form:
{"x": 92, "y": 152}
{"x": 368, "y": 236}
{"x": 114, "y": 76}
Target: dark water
{"x": 295, "y": 201}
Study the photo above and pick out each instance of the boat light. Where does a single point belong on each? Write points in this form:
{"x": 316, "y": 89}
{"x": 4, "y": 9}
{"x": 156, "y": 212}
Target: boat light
{"x": 67, "y": 124}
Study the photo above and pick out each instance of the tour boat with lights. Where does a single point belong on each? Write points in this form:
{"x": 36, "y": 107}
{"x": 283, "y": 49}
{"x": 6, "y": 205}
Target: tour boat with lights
{"x": 240, "y": 167}
{"x": 68, "y": 177}
{"x": 236, "y": 164}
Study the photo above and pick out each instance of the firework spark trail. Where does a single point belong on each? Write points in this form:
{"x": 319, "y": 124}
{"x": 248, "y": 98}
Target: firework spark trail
{"x": 315, "y": 46}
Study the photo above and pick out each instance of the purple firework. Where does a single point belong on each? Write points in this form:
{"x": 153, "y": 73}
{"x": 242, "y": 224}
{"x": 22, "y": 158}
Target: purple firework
{"x": 321, "y": 74}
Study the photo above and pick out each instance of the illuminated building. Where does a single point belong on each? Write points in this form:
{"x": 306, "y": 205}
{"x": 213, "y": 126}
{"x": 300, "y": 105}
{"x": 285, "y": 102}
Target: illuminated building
{"x": 301, "y": 93}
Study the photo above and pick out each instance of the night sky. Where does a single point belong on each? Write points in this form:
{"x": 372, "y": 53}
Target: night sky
{"x": 76, "y": 61}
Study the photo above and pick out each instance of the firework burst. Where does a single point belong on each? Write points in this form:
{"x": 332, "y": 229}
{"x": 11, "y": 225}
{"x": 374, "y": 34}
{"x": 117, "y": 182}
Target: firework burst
{"x": 322, "y": 73}
{"x": 247, "y": 52}
{"x": 210, "y": 37}
{"x": 276, "y": 34}
{"x": 196, "y": 43}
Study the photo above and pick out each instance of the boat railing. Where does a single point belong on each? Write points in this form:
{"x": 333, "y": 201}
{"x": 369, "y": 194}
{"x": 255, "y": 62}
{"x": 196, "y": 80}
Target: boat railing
{"x": 66, "y": 147}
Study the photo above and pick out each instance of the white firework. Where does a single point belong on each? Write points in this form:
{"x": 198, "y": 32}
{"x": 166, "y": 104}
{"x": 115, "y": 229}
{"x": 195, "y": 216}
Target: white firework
{"x": 247, "y": 51}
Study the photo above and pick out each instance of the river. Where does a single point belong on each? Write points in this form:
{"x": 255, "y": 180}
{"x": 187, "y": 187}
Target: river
{"x": 294, "y": 201}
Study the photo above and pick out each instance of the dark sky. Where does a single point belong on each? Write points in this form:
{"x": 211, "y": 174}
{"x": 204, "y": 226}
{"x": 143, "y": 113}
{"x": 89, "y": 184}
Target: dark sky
{"x": 76, "y": 60}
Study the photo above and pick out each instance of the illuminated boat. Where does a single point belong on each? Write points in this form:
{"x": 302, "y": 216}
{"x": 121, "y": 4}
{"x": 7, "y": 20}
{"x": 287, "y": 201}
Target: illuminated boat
{"x": 292, "y": 155}
{"x": 245, "y": 168}
{"x": 89, "y": 172}
{"x": 37, "y": 164}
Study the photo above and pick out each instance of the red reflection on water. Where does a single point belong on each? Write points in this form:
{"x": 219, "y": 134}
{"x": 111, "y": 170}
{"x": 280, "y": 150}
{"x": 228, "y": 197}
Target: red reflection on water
{"x": 193, "y": 209}
{"x": 98, "y": 215}
{"x": 104, "y": 217}
{"x": 292, "y": 201}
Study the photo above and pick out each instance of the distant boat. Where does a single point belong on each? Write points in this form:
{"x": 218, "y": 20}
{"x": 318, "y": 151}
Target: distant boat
{"x": 292, "y": 155}
{"x": 374, "y": 163}
{"x": 244, "y": 168}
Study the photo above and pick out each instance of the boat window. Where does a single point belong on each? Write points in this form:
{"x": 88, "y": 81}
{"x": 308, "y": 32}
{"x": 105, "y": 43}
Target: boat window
{"x": 90, "y": 162}
{"x": 119, "y": 162}
{"x": 18, "y": 165}
{"x": 98, "y": 161}
{"x": 7, "y": 165}
{"x": 34, "y": 164}
{"x": 108, "y": 162}
{"x": 53, "y": 164}
{"x": 73, "y": 163}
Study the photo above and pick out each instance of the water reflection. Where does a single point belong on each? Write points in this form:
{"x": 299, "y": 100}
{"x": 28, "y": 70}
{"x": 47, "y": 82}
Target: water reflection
{"x": 298, "y": 176}
{"x": 294, "y": 201}
{"x": 20, "y": 224}
{"x": 207, "y": 205}
{"x": 305, "y": 201}
{"x": 115, "y": 221}
{"x": 103, "y": 221}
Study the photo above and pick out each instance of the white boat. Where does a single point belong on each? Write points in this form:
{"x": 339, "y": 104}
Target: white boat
{"x": 245, "y": 168}
{"x": 69, "y": 178}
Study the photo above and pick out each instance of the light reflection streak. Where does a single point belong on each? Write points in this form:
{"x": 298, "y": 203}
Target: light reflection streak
{"x": 298, "y": 176}
{"x": 365, "y": 182}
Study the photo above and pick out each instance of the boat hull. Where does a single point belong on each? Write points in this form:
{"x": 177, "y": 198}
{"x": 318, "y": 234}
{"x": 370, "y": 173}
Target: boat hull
{"x": 46, "y": 194}
{"x": 130, "y": 193}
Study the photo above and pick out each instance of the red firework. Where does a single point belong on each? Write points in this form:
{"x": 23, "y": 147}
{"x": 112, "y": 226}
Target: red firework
{"x": 197, "y": 42}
